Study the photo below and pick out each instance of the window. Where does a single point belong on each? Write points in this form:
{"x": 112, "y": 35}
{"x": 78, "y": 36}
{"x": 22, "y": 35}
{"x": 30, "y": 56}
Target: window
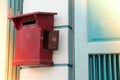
{"x": 103, "y": 20}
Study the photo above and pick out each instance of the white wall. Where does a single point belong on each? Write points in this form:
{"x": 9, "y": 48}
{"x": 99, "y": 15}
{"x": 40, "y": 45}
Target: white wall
{"x": 59, "y": 6}
{"x": 47, "y": 73}
{"x": 3, "y": 37}
{"x": 60, "y": 56}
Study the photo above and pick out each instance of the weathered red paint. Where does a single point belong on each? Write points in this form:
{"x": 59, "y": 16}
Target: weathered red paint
{"x": 29, "y": 39}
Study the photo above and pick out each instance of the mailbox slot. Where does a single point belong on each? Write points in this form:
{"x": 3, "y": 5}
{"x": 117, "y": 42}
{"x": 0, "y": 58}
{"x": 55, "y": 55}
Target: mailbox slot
{"x": 28, "y": 23}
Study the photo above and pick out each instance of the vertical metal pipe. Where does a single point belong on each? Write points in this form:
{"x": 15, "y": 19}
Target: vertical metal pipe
{"x": 119, "y": 67}
{"x": 104, "y": 61}
{"x": 9, "y": 2}
{"x": 90, "y": 68}
{"x": 110, "y": 67}
{"x": 114, "y": 66}
{"x": 16, "y": 7}
{"x": 12, "y": 4}
{"x": 99, "y": 66}
{"x": 21, "y": 6}
{"x": 94, "y": 67}
{"x": 9, "y": 23}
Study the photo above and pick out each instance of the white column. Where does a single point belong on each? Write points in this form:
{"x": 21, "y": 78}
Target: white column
{"x": 3, "y": 37}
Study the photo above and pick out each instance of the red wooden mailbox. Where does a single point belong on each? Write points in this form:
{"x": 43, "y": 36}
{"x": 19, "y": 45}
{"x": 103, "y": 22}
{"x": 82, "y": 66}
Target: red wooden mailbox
{"x": 35, "y": 39}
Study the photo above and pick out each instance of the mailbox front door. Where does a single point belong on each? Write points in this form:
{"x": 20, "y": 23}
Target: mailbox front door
{"x": 27, "y": 43}
{"x": 97, "y": 40}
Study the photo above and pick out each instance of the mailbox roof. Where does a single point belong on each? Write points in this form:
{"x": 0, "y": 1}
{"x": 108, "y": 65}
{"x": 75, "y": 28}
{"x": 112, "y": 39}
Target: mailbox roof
{"x": 33, "y": 13}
